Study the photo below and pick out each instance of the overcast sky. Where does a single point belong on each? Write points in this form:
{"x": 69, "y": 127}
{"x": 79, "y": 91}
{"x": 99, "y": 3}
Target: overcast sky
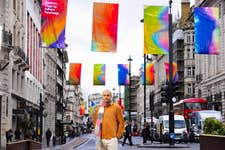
{"x": 129, "y": 41}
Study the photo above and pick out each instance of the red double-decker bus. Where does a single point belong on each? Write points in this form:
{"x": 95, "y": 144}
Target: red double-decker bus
{"x": 187, "y": 106}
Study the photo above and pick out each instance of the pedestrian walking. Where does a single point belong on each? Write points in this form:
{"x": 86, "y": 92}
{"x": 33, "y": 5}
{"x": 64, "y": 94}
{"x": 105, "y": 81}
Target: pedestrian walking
{"x": 145, "y": 133}
{"x": 48, "y": 135}
{"x": 17, "y": 134}
{"x": 109, "y": 123}
{"x": 9, "y": 135}
{"x": 127, "y": 134}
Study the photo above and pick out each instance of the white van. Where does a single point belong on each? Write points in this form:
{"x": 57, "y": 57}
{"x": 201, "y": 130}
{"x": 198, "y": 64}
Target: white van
{"x": 180, "y": 128}
{"x": 198, "y": 117}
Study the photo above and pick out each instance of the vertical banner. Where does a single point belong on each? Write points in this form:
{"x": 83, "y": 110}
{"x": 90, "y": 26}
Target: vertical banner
{"x": 53, "y": 23}
{"x": 75, "y": 73}
{"x": 82, "y": 108}
{"x": 99, "y": 74}
{"x": 92, "y": 107}
{"x": 175, "y": 73}
{"x": 207, "y": 33}
{"x": 156, "y": 34}
{"x": 104, "y": 27}
{"x": 150, "y": 79}
{"x": 123, "y": 74}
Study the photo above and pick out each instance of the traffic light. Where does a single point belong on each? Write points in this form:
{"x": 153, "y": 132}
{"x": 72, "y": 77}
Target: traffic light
{"x": 164, "y": 93}
{"x": 41, "y": 106}
{"x": 175, "y": 89}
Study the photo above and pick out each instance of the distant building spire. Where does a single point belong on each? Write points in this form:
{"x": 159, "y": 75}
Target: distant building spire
{"x": 185, "y": 11}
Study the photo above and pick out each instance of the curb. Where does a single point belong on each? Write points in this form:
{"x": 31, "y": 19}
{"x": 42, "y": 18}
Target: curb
{"x": 162, "y": 146}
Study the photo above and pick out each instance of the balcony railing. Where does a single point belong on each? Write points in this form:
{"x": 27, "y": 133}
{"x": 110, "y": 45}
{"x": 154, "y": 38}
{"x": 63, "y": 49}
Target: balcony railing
{"x": 7, "y": 38}
{"x": 198, "y": 78}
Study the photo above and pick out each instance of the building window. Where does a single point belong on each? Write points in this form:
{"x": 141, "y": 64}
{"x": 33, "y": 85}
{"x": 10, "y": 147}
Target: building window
{"x": 220, "y": 10}
{"x": 188, "y": 38}
{"x": 193, "y": 71}
{"x": 193, "y": 88}
{"x": 188, "y": 53}
{"x": 7, "y": 107}
{"x": 193, "y": 53}
{"x": 13, "y": 79}
{"x": 189, "y": 89}
{"x": 14, "y": 35}
{"x": 189, "y": 71}
{"x": 14, "y": 5}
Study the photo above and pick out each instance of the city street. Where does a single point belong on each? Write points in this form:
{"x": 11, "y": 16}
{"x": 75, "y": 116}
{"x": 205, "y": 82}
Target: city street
{"x": 73, "y": 69}
{"x": 90, "y": 144}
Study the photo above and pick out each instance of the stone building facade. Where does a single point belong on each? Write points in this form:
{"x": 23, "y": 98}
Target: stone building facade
{"x": 20, "y": 88}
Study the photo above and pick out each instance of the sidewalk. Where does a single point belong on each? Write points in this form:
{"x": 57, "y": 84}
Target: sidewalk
{"x": 137, "y": 141}
{"x": 158, "y": 145}
{"x": 77, "y": 141}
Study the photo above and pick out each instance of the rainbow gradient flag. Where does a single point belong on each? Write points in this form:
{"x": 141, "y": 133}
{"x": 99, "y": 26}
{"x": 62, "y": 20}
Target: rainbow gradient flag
{"x": 207, "y": 32}
{"x": 156, "y": 35}
{"x": 99, "y": 74}
{"x": 75, "y": 73}
{"x": 53, "y": 23}
{"x": 104, "y": 27}
{"x": 123, "y": 74}
{"x": 150, "y": 78}
{"x": 175, "y": 73}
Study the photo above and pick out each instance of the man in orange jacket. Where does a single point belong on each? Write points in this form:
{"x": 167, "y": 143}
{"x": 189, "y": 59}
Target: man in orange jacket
{"x": 109, "y": 123}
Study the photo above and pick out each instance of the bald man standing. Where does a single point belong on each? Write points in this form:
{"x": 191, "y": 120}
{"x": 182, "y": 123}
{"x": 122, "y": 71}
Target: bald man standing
{"x": 109, "y": 123}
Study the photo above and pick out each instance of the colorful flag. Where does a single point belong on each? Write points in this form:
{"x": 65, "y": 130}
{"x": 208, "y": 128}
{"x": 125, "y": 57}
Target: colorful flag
{"x": 92, "y": 106}
{"x": 82, "y": 110}
{"x": 156, "y": 23}
{"x": 75, "y": 73}
{"x": 175, "y": 73}
{"x": 207, "y": 33}
{"x": 150, "y": 80}
{"x": 121, "y": 104}
{"x": 104, "y": 27}
{"x": 99, "y": 74}
{"x": 123, "y": 74}
{"x": 53, "y": 23}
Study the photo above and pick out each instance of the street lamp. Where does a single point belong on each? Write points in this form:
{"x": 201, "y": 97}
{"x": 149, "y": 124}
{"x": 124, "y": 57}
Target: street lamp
{"x": 129, "y": 111}
{"x": 170, "y": 95}
{"x": 144, "y": 88}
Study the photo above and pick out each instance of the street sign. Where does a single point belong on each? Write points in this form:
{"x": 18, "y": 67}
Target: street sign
{"x": 172, "y": 135}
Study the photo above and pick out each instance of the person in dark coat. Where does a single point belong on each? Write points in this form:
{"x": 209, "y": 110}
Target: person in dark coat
{"x": 145, "y": 133}
{"x": 127, "y": 133}
{"x": 17, "y": 134}
{"x": 48, "y": 135}
{"x": 9, "y": 135}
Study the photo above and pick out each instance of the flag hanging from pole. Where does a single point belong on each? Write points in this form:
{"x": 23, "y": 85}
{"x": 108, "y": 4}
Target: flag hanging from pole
{"x": 53, "y": 23}
{"x": 123, "y": 74}
{"x": 75, "y": 73}
{"x": 207, "y": 33}
{"x": 99, "y": 74}
{"x": 150, "y": 79}
{"x": 175, "y": 73}
{"x": 104, "y": 27}
{"x": 156, "y": 35}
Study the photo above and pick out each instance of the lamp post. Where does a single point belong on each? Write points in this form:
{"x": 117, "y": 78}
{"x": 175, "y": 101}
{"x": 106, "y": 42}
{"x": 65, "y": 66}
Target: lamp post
{"x": 171, "y": 112}
{"x": 144, "y": 88}
{"x": 129, "y": 111}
